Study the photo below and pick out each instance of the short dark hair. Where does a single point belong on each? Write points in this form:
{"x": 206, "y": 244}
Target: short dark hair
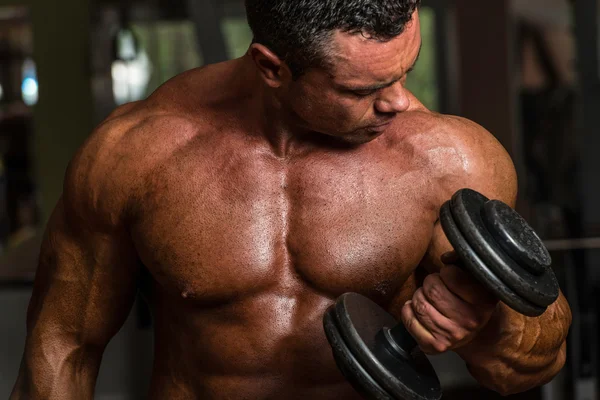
{"x": 298, "y": 30}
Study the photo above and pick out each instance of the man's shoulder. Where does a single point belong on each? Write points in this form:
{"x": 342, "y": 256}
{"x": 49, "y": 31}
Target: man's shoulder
{"x": 109, "y": 168}
{"x": 430, "y": 129}
{"x": 471, "y": 139}
{"x": 138, "y": 134}
{"x": 484, "y": 153}
{"x": 461, "y": 153}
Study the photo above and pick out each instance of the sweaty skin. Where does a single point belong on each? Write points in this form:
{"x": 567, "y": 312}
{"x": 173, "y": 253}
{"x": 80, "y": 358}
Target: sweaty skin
{"x": 244, "y": 236}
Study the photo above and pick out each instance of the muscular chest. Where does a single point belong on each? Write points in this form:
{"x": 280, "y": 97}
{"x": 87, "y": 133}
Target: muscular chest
{"x": 246, "y": 224}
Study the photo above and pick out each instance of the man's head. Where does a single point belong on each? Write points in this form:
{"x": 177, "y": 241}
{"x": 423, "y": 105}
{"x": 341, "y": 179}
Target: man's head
{"x": 338, "y": 66}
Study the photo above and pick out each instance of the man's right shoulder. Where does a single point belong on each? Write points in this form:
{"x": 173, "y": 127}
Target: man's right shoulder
{"x": 135, "y": 136}
{"x": 110, "y": 167}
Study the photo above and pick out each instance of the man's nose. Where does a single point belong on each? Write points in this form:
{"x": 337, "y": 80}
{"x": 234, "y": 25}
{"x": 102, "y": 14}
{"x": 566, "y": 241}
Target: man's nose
{"x": 393, "y": 99}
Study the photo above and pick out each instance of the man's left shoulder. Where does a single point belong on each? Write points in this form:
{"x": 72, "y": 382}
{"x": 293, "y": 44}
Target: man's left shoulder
{"x": 474, "y": 141}
{"x": 468, "y": 156}
{"x": 491, "y": 170}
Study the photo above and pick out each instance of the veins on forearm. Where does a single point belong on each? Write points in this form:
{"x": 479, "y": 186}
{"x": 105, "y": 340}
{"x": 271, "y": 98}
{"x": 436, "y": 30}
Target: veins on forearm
{"x": 530, "y": 351}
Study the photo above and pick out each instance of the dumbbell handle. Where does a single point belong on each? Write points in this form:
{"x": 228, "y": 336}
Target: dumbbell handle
{"x": 400, "y": 341}
{"x": 399, "y": 335}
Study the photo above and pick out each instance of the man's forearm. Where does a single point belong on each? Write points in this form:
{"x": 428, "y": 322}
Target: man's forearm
{"x": 45, "y": 374}
{"x": 515, "y": 353}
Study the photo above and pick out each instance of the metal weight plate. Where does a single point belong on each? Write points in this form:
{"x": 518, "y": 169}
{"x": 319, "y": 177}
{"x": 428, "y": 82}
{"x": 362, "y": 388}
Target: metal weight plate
{"x": 516, "y": 237}
{"x": 354, "y": 373}
{"x": 360, "y": 320}
{"x": 541, "y": 290}
{"x": 473, "y": 263}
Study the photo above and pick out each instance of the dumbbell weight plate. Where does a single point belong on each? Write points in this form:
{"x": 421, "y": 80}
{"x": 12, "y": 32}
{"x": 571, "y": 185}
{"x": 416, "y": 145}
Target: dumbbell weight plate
{"x": 354, "y": 373}
{"x": 542, "y": 290}
{"x": 516, "y": 237}
{"x": 471, "y": 261}
{"x": 356, "y": 322}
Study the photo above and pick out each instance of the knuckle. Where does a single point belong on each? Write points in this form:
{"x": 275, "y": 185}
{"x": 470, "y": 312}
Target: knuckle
{"x": 421, "y": 310}
{"x": 440, "y": 347}
{"x": 432, "y": 288}
{"x": 432, "y": 279}
{"x": 472, "y": 326}
{"x": 420, "y": 307}
{"x": 458, "y": 336}
{"x": 471, "y": 323}
{"x": 408, "y": 319}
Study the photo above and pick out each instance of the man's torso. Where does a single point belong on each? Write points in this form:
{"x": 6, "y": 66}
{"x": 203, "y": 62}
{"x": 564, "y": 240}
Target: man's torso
{"x": 247, "y": 249}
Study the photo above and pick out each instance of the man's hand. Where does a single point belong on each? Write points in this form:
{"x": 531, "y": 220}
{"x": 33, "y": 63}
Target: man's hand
{"x": 449, "y": 310}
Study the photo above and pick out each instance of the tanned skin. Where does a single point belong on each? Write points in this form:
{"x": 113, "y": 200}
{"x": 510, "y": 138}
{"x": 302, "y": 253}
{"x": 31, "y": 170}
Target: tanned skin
{"x": 252, "y": 201}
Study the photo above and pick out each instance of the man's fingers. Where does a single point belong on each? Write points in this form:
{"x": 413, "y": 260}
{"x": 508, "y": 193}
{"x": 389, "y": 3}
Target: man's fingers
{"x": 442, "y": 328}
{"x": 466, "y": 287}
{"x": 426, "y": 340}
{"x": 449, "y": 304}
{"x": 450, "y": 258}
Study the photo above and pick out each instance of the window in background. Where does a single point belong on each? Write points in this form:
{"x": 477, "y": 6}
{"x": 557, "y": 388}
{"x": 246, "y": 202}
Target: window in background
{"x": 238, "y": 36}
{"x": 171, "y": 47}
{"x": 131, "y": 68}
{"x": 422, "y": 82}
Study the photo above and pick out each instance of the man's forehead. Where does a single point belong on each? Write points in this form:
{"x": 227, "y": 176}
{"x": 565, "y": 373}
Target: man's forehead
{"x": 358, "y": 57}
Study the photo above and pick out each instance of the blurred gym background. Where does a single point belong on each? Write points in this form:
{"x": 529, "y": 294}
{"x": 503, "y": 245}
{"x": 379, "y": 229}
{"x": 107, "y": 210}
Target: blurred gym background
{"x": 527, "y": 70}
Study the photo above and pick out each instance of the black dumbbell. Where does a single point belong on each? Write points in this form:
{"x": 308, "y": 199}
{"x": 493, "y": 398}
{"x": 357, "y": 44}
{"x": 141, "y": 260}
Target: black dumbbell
{"x": 495, "y": 244}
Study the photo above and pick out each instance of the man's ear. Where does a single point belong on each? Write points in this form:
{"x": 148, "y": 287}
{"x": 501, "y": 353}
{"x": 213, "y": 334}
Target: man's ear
{"x": 272, "y": 69}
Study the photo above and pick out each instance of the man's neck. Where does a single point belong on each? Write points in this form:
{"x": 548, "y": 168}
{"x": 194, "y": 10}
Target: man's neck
{"x": 276, "y": 123}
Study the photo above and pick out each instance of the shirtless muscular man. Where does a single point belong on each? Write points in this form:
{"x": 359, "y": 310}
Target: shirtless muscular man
{"x": 254, "y": 193}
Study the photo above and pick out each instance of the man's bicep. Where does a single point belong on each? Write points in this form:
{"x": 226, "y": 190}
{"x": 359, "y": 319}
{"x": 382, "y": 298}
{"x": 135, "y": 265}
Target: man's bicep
{"x": 86, "y": 282}
{"x": 439, "y": 245}
{"x": 489, "y": 170}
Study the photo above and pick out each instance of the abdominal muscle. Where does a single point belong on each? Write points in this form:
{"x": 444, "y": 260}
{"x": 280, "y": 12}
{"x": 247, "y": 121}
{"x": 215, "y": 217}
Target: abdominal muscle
{"x": 271, "y": 345}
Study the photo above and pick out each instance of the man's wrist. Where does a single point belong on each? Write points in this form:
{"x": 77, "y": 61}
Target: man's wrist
{"x": 486, "y": 343}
